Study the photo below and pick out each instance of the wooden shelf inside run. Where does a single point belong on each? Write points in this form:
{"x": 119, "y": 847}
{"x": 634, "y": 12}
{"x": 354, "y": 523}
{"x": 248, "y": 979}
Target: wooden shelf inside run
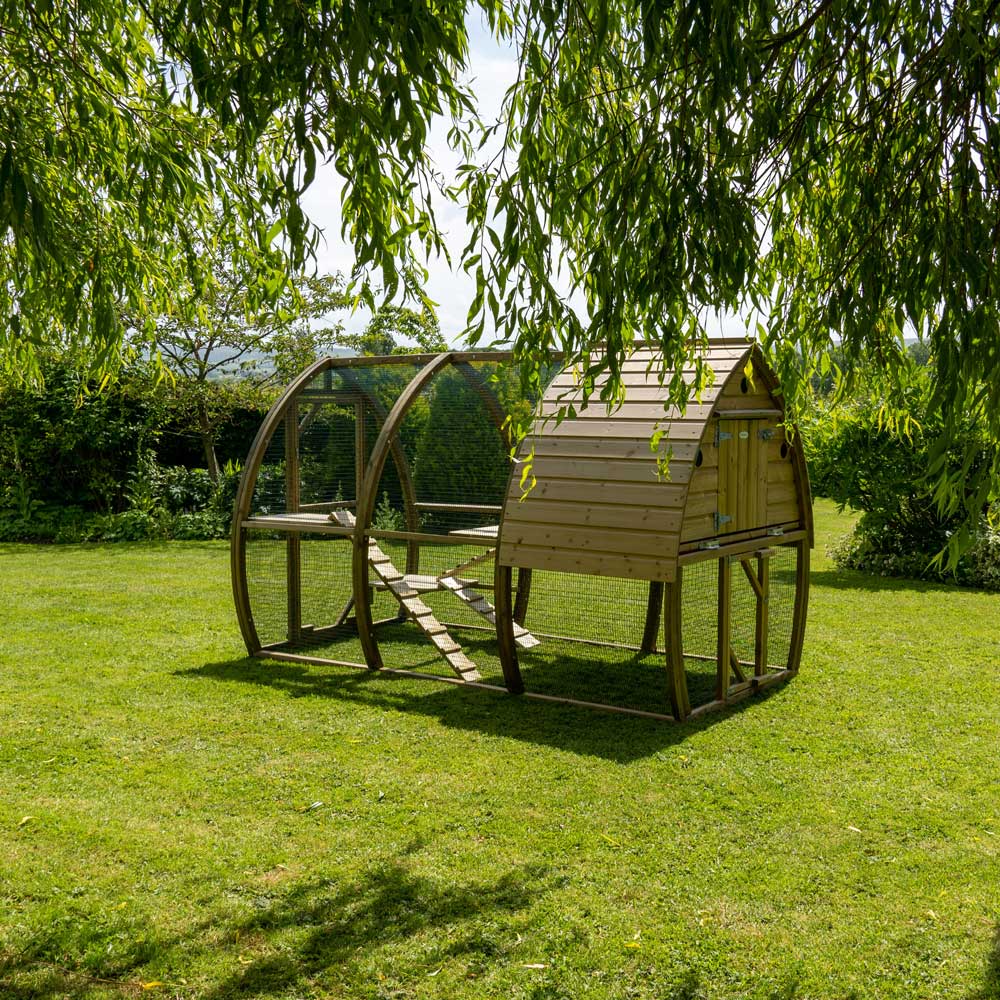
{"x": 319, "y": 524}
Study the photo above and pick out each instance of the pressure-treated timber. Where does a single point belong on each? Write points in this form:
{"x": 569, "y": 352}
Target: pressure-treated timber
{"x": 673, "y": 642}
{"x": 654, "y": 603}
{"x": 293, "y": 543}
{"x": 723, "y": 649}
{"x": 724, "y": 480}
{"x": 601, "y": 500}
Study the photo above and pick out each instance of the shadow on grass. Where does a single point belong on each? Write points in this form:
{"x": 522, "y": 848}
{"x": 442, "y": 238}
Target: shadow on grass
{"x": 335, "y": 927}
{"x": 991, "y": 978}
{"x": 302, "y": 937}
{"x": 580, "y": 730}
{"x": 847, "y": 579}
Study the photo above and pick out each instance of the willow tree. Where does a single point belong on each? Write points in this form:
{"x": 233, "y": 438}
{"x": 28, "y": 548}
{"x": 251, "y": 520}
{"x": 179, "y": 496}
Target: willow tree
{"x": 830, "y": 167}
{"x": 126, "y": 130}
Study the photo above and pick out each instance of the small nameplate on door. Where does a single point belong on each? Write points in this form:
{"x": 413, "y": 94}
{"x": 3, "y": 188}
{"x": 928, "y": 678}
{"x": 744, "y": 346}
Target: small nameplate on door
{"x": 744, "y": 435}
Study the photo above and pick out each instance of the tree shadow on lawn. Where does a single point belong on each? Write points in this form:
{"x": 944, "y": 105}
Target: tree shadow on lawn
{"x": 991, "y": 978}
{"x": 336, "y": 927}
{"x": 585, "y": 731}
{"x": 298, "y": 936}
{"x": 848, "y": 579}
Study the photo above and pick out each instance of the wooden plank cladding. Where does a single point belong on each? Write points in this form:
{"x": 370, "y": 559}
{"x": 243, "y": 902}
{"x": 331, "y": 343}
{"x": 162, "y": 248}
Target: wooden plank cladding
{"x": 600, "y": 502}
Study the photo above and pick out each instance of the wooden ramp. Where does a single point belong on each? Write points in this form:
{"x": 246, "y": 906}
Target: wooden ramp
{"x": 409, "y": 599}
{"x": 471, "y": 597}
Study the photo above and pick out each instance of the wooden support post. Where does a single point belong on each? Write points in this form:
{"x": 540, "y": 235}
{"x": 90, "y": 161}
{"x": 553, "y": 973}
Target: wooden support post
{"x": 293, "y": 543}
{"x": 735, "y": 666}
{"x": 762, "y": 618}
{"x": 801, "y": 605}
{"x": 654, "y": 604}
{"x": 503, "y": 582}
{"x": 722, "y": 643}
{"x": 522, "y": 595}
{"x": 359, "y": 471}
{"x": 680, "y": 703}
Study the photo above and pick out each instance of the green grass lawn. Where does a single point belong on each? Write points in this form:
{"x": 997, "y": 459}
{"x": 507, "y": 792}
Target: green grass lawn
{"x": 177, "y": 820}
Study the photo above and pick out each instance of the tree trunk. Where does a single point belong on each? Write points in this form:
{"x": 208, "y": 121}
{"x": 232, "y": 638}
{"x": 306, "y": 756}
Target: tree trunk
{"x": 208, "y": 443}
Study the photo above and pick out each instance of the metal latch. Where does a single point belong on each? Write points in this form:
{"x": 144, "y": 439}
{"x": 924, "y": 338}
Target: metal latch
{"x": 775, "y": 532}
{"x": 766, "y": 433}
{"x": 721, "y": 519}
{"x": 721, "y": 436}
{"x": 712, "y": 543}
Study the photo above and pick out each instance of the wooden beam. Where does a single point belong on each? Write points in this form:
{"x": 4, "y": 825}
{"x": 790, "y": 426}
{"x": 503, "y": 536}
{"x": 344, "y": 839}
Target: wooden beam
{"x": 470, "y": 508}
{"x": 801, "y": 605}
{"x": 736, "y": 666}
{"x": 522, "y": 594}
{"x": 673, "y": 642}
{"x": 654, "y": 604}
{"x": 740, "y": 546}
{"x": 722, "y": 649}
{"x": 762, "y": 617}
{"x": 293, "y": 563}
{"x": 751, "y": 578}
{"x": 505, "y": 629}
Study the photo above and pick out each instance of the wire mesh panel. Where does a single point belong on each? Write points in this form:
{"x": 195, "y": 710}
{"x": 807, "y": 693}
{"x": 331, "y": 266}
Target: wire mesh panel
{"x": 322, "y": 618}
{"x": 781, "y": 605}
{"x": 699, "y": 618}
{"x": 699, "y": 628}
{"x": 591, "y": 630}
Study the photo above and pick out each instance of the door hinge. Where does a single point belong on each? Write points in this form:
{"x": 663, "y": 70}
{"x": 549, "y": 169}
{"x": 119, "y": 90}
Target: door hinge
{"x": 766, "y": 433}
{"x": 721, "y": 519}
{"x": 721, "y": 436}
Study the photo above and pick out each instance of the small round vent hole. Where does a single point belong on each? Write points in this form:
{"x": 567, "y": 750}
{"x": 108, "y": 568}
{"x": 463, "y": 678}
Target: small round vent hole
{"x": 744, "y": 384}
{"x": 698, "y": 459}
{"x": 784, "y": 449}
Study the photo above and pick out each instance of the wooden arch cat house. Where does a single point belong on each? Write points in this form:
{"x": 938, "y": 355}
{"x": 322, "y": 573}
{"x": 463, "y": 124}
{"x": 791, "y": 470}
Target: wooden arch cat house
{"x": 380, "y": 523}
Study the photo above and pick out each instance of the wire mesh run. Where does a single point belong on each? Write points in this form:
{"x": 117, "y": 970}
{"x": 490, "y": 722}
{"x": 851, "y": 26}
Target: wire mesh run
{"x": 700, "y": 621}
{"x": 428, "y": 482}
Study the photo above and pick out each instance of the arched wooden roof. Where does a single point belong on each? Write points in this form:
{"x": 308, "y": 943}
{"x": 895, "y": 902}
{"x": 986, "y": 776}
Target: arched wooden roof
{"x": 601, "y": 504}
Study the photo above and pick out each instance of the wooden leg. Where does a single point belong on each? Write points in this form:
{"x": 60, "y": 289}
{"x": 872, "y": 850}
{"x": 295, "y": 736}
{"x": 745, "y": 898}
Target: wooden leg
{"x": 293, "y": 546}
{"x": 362, "y": 604}
{"x": 522, "y": 595}
{"x": 801, "y": 605}
{"x": 723, "y": 644}
{"x": 680, "y": 703}
{"x": 504, "y": 613}
{"x": 762, "y": 618}
{"x": 652, "y": 626}
{"x": 293, "y": 565}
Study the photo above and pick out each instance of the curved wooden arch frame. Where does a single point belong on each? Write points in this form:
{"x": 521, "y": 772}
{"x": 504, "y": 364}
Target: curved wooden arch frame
{"x": 251, "y": 471}
{"x": 402, "y": 466}
{"x": 365, "y": 512}
{"x": 365, "y": 508}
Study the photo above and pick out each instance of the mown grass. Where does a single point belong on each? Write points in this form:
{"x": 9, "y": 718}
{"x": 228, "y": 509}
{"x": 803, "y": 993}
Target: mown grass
{"x": 172, "y": 813}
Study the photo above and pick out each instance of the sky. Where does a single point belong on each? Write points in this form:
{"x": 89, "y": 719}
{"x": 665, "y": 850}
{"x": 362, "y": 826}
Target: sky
{"x": 493, "y": 70}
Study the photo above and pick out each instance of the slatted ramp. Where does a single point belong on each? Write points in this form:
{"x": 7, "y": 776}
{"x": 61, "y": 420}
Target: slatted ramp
{"x": 409, "y": 599}
{"x": 474, "y": 600}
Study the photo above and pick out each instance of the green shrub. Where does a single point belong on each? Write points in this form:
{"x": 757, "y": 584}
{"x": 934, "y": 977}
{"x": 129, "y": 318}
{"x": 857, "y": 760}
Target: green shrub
{"x": 883, "y": 470}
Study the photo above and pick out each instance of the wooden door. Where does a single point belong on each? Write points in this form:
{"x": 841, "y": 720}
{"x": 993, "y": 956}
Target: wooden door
{"x": 742, "y": 449}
